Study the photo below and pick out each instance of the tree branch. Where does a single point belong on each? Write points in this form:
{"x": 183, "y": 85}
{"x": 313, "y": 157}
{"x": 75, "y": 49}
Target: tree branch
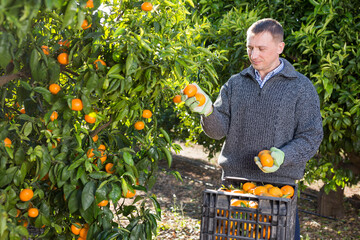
{"x": 100, "y": 128}
{"x": 7, "y": 78}
{"x": 64, "y": 69}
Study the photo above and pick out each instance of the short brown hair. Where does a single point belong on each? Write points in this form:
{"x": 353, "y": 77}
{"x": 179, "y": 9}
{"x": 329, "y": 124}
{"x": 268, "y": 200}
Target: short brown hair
{"x": 267, "y": 25}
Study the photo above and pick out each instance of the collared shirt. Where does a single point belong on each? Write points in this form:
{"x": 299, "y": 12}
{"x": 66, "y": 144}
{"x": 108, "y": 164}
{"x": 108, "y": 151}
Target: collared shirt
{"x": 269, "y": 75}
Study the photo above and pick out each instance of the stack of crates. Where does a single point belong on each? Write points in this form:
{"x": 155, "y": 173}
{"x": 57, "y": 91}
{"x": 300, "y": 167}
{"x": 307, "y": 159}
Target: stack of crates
{"x": 271, "y": 218}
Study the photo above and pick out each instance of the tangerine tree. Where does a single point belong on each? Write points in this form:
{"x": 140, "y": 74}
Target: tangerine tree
{"x": 85, "y": 72}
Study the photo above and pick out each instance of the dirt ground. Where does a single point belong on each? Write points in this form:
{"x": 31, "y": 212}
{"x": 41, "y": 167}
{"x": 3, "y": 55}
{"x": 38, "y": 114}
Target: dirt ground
{"x": 181, "y": 201}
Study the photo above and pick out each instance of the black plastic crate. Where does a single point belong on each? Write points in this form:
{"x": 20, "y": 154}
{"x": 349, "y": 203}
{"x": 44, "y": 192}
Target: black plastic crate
{"x": 270, "y": 218}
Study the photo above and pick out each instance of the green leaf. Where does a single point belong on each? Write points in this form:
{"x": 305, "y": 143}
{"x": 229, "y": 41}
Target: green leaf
{"x": 34, "y": 64}
{"x": 70, "y": 13}
{"x": 88, "y": 195}
{"x": 27, "y": 128}
{"x": 44, "y": 92}
{"x": 115, "y": 193}
{"x": 74, "y": 201}
{"x": 4, "y": 50}
{"x": 128, "y": 158}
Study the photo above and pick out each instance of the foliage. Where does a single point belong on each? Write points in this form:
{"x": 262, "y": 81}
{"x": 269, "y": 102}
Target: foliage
{"x": 148, "y": 55}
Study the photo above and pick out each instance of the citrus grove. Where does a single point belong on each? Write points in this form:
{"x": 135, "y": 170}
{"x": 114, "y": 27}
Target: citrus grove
{"x": 82, "y": 87}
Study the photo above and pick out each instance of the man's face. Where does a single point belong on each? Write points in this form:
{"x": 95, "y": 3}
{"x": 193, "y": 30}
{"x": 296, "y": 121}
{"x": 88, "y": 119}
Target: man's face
{"x": 263, "y": 51}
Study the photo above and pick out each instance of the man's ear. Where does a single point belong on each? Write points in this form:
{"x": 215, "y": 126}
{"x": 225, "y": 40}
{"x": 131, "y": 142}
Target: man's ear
{"x": 281, "y": 47}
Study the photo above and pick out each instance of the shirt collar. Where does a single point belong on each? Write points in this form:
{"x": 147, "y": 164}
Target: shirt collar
{"x": 269, "y": 75}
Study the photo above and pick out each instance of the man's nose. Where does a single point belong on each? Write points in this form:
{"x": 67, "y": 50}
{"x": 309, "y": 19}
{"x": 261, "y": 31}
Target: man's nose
{"x": 254, "y": 53}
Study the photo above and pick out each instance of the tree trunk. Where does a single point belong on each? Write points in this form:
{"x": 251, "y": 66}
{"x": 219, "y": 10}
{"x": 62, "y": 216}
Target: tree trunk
{"x": 332, "y": 204}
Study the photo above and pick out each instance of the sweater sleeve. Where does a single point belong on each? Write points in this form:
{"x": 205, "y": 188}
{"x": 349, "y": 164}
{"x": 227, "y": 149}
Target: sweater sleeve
{"x": 309, "y": 131}
{"x": 216, "y": 125}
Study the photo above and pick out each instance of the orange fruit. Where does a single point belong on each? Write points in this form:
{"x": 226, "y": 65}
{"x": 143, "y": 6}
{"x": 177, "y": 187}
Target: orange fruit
{"x": 103, "y": 157}
{"x": 54, "y": 88}
{"x": 54, "y": 116}
{"x": 130, "y": 194}
{"x": 260, "y": 190}
{"x": 75, "y": 229}
{"x": 86, "y": 226}
{"x": 266, "y": 160}
{"x": 33, "y": 212}
{"x": 83, "y": 233}
{"x": 239, "y": 203}
{"x": 263, "y": 151}
{"x": 200, "y": 98}
{"x": 287, "y": 190}
{"x": 238, "y": 191}
{"x": 18, "y": 212}
{"x": 22, "y": 110}
{"x": 76, "y": 104}
{"x": 45, "y": 49}
{"x": 7, "y": 142}
{"x": 103, "y": 203}
{"x": 26, "y": 194}
{"x": 95, "y": 138}
{"x": 177, "y": 99}
{"x": 190, "y": 90}
{"x": 100, "y": 61}
{"x": 85, "y": 25}
{"x": 90, "y": 153}
{"x": 90, "y": 4}
{"x": 268, "y": 186}
{"x": 275, "y": 192}
{"x": 108, "y": 168}
{"x": 146, "y": 113}
{"x": 63, "y": 58}
{"x": 90, "y": 119}
{"x": 139, "y": 125}
{"x": 146, "y": 6}
{"x": 248, "y": 185}
{"x": 65, "y": 43}
{"x": 101, "y": 147}
{"x": 25, "y": 223}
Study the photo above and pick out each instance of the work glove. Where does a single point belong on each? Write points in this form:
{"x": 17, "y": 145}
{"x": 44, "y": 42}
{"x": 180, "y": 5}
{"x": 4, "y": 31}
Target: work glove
{"x": 278, "y": 157}
{"x": 206, "y": 109}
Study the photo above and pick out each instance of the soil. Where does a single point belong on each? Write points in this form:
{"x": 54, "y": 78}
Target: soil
{"x": 181, "y": 201}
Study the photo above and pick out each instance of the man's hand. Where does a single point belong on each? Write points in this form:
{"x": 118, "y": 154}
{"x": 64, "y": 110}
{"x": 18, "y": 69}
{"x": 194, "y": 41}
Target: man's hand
{"x": 193, "y": 104}
{"x": 278, "y": 157}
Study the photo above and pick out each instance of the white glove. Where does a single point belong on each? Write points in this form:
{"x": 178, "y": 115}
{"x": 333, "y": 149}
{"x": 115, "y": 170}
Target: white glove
{"x": 193, "y": 104}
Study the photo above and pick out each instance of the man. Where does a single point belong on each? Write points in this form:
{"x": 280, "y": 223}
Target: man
{"x": 268, "y": 105}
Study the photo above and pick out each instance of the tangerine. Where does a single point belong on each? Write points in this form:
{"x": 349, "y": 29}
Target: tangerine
{"x": 275, "y": 192}
{"x": 90, "y": 4}
{"x": 177, "y": 99}
{"x": 76, "y": 104}
{"x": 248, "y": 185}
{"x": 260, "y": 190}
{"x": 65, "y": 43}
{"x": 101, "y": 147}
{"x": 63, "y": 58}
{"x": 54, "y": 88}
{"x": 100, "y": 61}
{"x": 263, "y": 151}
{"x": 287, "y": 190}
{"x": 103, "y": 157}
{"x": 33, "y": 212}
{"x": 54, "y": 116}
{"x": 139, "y": 125}
{"x": 83, "y": 233}
{"x": 95, "y": 138}
{"x": 23, "y": 111}
{"x": 200, "y": 98}
{"x": 90, "y": 119}
{"x": 146, "y": 113}
{"x": 90, "y": 153}
{"x": 7, "y": 142}
{"x": 190, "y": 90}
{"x": 75, "y": 229}
{"x": 45, "y": 49}
{"x": 268, "y": 186}
{"x": 26, "y": 195}
{"x": 103, "y": 203}
{"x": 266, "y": 160}
{"x": 108, "y": 168}
{"x": 146, "y": 6}
{"x": 85, "y": 25}
{"x": 130, "y": 194}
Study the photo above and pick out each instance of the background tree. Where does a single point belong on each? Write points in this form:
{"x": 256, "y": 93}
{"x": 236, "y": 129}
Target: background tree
{"x": 82, "y": 88}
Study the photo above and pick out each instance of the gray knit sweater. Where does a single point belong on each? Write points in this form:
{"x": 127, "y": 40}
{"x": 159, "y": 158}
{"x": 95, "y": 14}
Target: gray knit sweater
{"x": 285, "y": 113}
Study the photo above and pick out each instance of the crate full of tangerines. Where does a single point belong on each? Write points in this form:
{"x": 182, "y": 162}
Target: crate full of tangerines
{"x": 248, "y": 209}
